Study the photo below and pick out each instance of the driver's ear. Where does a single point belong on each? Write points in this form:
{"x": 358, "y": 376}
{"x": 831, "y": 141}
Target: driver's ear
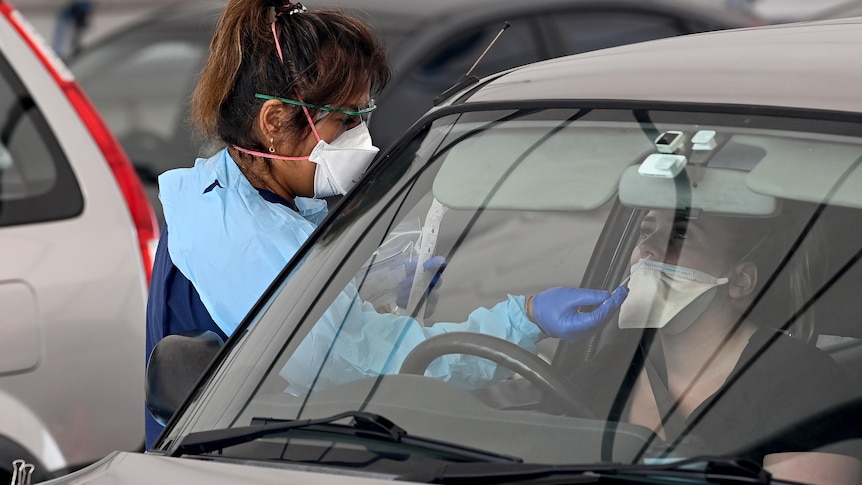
{"x": 743, "y": 280}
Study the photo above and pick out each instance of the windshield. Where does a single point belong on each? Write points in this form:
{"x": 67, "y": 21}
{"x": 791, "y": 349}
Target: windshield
{"x": 734, "y": 237}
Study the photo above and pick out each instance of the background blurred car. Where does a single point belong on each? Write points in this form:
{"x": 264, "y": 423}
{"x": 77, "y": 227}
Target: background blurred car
{"x": 141, "y": 77}
{"x": 77, "y": 236}
{"x": 785, "y": 11}
{"x": 851, "y": 9}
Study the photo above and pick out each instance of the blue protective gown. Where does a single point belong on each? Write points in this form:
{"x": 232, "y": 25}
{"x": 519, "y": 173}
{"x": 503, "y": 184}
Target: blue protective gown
{"x": 228, "y": 241}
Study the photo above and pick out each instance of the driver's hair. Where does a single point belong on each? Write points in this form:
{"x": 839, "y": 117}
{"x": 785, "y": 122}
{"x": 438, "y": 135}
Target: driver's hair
{"x": 787, "y": 244}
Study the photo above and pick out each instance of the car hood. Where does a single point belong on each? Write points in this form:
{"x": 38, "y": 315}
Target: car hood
{"x": 121, "y": 468}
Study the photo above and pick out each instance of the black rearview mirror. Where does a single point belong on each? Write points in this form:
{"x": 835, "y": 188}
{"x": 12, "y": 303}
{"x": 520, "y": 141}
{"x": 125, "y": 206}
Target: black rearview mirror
{"x": 176, "y": 363}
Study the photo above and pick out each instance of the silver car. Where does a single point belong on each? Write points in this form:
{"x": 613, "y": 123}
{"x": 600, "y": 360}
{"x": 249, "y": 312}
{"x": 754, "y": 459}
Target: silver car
{"x": 584, "y": 172}
{"x": 76, "y": 241}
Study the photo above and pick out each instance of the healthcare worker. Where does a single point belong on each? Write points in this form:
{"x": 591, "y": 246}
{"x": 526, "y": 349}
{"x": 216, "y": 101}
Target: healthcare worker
{"x": 287, "y": 91}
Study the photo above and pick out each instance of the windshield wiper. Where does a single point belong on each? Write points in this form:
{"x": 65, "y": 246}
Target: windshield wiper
{"x": 707, "y": 469}
{"x": 365, "y": 425}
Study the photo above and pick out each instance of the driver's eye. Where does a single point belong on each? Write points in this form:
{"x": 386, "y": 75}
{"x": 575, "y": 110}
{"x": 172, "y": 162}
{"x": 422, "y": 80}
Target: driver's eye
{"x": 677, "y": 234}
{"x": 645, "y": 231}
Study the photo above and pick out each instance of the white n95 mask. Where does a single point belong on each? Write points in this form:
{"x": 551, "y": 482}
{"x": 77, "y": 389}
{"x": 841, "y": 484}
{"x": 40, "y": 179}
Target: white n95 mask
{"x": 341, "y": 163}
{"x": 666, "y": 296}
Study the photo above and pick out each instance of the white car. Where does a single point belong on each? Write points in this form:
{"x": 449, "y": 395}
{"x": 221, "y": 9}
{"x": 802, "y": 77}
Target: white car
{"x": 77, "y": 236}
{"x": 556, "y": 174}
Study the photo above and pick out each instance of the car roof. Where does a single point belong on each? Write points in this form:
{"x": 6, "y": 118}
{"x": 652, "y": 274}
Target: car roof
{"x": 742, "y": 66}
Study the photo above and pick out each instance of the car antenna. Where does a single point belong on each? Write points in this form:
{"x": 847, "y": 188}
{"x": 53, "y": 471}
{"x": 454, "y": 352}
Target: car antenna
{"x": 468, "y": 78}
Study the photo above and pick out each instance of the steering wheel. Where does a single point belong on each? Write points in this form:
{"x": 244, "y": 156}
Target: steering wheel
{"x": 505, "y": 353}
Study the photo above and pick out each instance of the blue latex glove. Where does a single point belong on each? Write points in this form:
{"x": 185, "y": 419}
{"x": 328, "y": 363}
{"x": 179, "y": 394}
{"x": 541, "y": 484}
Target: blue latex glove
{"x": 436, "y": 264}
{"x": 557, "y": 310}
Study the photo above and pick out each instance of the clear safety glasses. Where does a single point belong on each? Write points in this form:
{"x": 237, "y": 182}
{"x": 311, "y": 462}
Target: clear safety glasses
{"x": 363, "y": 112}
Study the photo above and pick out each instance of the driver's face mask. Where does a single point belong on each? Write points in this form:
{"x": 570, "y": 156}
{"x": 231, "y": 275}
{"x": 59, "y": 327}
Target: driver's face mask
{"x": 666, "y": 296}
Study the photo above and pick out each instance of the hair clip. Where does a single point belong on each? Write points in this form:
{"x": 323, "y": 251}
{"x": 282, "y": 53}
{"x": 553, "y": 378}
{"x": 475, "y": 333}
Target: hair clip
{"x": 289, "y": 9}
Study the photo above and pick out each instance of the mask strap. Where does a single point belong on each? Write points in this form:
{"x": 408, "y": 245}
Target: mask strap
{"x": 308, "y": 116}
{"x": 293, "y": 8}
{"x": 277, "y": 44}
{"x": 290, "y": 9}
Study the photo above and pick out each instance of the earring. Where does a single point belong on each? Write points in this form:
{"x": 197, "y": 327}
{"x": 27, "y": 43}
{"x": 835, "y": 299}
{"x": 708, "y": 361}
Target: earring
{"x": 271, "y": 145}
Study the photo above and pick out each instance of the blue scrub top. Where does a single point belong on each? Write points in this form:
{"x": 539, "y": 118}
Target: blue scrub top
{"x": 174, "y": 307}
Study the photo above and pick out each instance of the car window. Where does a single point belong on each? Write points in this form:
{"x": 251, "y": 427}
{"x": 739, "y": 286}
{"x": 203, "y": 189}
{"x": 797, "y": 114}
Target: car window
{"x": 584, "y": 31}
{"x": 520, "y": 201}
{"x": 36, "y": 182}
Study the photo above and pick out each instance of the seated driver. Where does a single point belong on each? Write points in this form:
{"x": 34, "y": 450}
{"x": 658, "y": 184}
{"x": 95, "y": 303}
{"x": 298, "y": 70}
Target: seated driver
{"x": 715, "y": 370}
{"x": 731, "y": 376}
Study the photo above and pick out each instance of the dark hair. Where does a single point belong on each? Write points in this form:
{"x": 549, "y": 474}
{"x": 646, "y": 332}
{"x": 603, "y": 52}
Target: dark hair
{"x": 786, "y": 243}
{"x": 329, "y": 56}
